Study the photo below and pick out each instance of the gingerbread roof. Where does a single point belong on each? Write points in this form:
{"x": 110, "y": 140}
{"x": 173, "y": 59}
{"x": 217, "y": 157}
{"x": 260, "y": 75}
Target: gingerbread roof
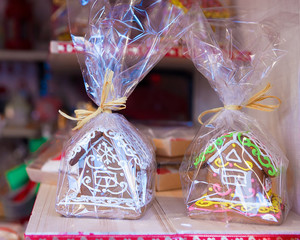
{"x": 126, "y": 146}
{"x": 249, "y": 144}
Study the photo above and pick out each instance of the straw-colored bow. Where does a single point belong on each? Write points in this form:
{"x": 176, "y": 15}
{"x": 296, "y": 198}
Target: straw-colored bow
{"x": 252, "y": 103}
{"x": 85, "y": 115}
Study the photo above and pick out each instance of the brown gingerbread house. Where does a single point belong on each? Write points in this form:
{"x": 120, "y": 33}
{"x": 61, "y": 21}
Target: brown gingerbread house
{"x": 110, "y": 175}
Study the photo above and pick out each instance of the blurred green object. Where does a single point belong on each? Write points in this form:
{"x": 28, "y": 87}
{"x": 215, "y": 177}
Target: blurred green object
{"x": 17, "y": 177}
{"x": 34, "y": 144}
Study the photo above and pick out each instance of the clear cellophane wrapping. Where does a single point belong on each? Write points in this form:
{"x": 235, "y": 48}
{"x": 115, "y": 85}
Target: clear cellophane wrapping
{"x": 234, "y": 171}
{"x": 108, "y": 167}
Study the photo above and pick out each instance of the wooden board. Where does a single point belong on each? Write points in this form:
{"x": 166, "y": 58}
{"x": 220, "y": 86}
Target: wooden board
{"x": 45, "y": 220}
{"x": 173, "y": 205}
{"x": 166, "y": 220}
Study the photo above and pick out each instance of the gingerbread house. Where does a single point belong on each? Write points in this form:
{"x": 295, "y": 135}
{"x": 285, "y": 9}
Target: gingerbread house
{"x": 238, "y": 181}
{"x": 110, "y": 175}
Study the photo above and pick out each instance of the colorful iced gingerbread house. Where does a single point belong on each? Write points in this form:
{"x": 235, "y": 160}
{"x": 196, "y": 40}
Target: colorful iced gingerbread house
{"x": 239, "y": 181}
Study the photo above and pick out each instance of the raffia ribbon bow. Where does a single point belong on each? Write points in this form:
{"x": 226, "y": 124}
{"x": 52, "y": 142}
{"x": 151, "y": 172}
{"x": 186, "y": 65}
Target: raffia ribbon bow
{"x": 252, "y": 103}
{"x": 85, "y": 115}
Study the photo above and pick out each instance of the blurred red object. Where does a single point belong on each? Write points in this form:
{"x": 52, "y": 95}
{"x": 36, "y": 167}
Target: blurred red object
{"x": 47, "y": 109}
{"x": 24, "y": 192}
{"x": 156, "y": 99}
{"x": 18, "y": 24}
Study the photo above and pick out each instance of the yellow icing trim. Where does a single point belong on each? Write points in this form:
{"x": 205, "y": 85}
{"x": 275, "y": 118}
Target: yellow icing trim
{"x": 250, "y": 166}
{"x": 219, "y": 164}
{"x": 204, "y": 203}
{"x": 275, "y": 208}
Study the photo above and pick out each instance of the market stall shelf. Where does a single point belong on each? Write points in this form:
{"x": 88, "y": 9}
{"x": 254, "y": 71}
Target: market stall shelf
{"x": 166, "y": 219}
{"x": 24, "y": 55}
{"x": 63, "y": 59}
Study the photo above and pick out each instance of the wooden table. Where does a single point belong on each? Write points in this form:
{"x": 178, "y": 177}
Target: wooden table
{"x": 165, "y": 220}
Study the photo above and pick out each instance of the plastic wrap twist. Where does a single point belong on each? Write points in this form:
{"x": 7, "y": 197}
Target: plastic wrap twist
{"x": 85, "y": 115}
{"x": 252, "y": 103}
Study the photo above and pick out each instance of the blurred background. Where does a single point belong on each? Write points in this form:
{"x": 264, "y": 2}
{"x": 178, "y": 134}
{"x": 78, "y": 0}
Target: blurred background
{"x": 39, "y": 74}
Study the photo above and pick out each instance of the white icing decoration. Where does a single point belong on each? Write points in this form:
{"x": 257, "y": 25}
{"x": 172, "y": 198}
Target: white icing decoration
{"x": 233, "y": 177}
{"x": 268, "y": 184}
{"x": 123, "y": 203}
{"x": 238, "y": 179}
{"x": 106, "y": 162}
{"x": 232, "y": 156}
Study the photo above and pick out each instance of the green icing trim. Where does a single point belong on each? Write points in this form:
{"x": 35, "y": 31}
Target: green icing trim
{"x": 245, "y": 142}
{"x": 210, "y": 149}
{"x": 256, "y": 153}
